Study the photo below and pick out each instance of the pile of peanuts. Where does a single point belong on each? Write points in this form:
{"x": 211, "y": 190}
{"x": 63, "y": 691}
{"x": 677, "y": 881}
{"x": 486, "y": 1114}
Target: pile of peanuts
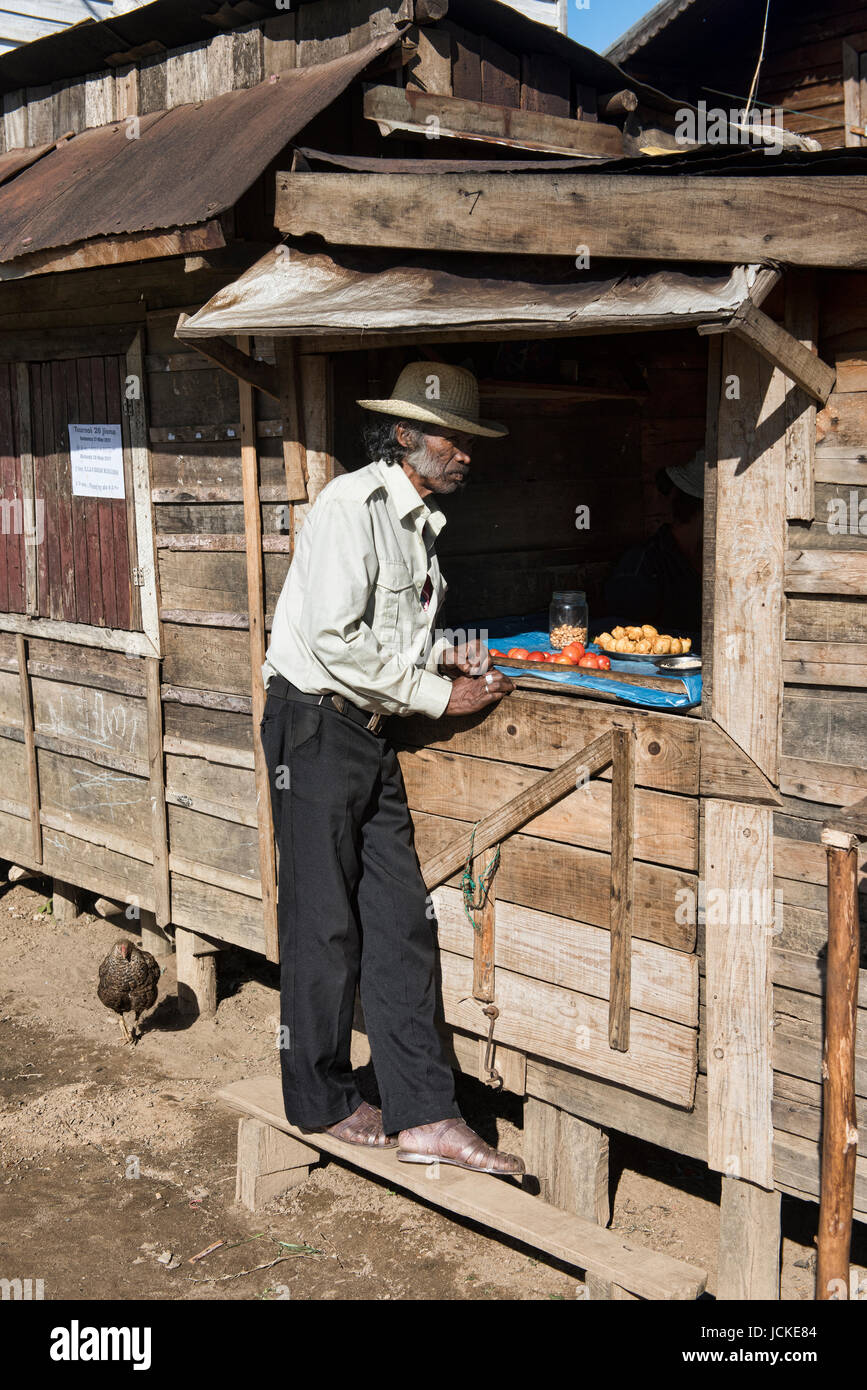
{"x": 642, "y": 641}
{"x": 565, "y": 633}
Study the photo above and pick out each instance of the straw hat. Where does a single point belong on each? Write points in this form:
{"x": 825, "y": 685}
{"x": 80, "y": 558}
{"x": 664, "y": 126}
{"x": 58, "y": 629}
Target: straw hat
{"x": 438, "y": 394}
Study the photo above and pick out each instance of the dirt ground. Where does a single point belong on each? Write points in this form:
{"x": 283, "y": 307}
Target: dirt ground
{"x": 118, "y": 1164}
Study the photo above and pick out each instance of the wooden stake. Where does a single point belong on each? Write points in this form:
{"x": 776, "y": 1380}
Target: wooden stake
{"x": 839, "y": 1124}
{"x": 483, "y": 936}
{"x": 256, "y": 614}
{"x": 294, "y": 450}
{"x": 622, "y": 879}
{"x": 159, "y": 828}
{"x": 30, "y": 749}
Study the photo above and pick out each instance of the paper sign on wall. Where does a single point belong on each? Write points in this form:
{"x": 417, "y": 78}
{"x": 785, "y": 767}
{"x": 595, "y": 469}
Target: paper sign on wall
{"x": 96, "y": 460}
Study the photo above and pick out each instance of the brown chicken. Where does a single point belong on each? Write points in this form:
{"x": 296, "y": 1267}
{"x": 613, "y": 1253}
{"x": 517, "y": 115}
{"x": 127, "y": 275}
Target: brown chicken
{"x": 128, "y": 981}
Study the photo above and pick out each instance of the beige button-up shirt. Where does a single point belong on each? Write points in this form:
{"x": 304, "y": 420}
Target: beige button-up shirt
{"x": 349, "y": 619}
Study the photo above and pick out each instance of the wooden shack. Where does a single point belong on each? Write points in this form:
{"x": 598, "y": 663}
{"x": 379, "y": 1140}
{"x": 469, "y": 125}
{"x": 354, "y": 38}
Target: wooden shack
{"x": 227, "y": 323}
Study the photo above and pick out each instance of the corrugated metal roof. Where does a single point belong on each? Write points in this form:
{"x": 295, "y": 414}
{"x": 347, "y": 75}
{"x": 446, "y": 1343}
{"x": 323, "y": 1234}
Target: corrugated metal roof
{"x": 293, "y": 291}
{"x": 26, "y": 21}
{"x": 181, "y": 167}
{"x": 646, "y": 28}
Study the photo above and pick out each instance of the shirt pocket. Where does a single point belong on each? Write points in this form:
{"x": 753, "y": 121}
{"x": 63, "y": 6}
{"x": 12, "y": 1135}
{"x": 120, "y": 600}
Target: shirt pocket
{"x": 393, "y": 610}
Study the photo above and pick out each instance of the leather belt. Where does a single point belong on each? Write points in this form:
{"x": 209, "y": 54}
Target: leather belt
{"x": 285, "y": 690}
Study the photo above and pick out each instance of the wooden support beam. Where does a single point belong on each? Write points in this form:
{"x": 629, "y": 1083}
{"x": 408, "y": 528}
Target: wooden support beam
{"x": 256, "y": 616}
{"x": 753, "y": 219}
{"x": 622, "y": 886}
{"x": 156, "y": 775}
{"x": 781, "y": 349}
{"x": 567, "y": 1163}
{"x": 291, "y": 401}
{"x": 839, "y": 1118}
{"x": 240, "y": 364}
{"x": 436, "y": 117}
{"x": 153, "y": 938}
{"x": 749, "y": 1243}
{"x": 269, "y": 1162}
{"x": 548, "y": 790}
{"x": 29, "y": 749}
{"x": 484, "y": 941}
{"x": 739, "y": 879}
{"x": 750, "y": 546}
{"x": 197, "y": 975}
{"x": 802, "y": 321}
{"x": 65, "y": 901}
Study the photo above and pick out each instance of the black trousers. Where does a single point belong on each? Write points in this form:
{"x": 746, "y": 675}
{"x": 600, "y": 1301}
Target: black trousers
{"x": 352, "y": 908}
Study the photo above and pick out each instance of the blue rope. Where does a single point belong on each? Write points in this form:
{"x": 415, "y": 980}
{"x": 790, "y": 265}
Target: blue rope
{"x": 475, "y": 891}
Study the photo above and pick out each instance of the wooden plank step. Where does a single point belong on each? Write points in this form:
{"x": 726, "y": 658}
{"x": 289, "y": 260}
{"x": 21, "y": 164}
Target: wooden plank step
{"x": 494, "y": 1202}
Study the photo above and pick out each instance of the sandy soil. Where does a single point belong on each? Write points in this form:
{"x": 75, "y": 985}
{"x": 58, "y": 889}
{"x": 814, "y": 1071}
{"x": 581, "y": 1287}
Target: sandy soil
{"x": 118, "y": 1165}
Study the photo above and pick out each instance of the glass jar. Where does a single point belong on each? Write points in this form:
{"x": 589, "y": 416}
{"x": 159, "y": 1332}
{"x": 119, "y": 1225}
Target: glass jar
{"x": 567, "y": 617}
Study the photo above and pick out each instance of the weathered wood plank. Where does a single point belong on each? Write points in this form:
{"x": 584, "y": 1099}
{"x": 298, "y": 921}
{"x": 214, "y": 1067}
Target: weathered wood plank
{"x": 754, "y": 219}
{"x": 750, "y": 547}
{"x": 573, "y": 1028}
{"x": 572, "y": 955}
{"x": 739, "y": 865}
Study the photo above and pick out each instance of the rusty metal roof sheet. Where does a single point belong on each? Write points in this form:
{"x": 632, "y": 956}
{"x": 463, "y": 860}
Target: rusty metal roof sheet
{"x": 170, "y": 169}
{"x": 293, "y": 291}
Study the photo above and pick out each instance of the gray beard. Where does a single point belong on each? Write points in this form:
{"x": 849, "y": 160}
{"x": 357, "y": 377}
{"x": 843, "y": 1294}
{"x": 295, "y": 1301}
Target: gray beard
{"x": 421, "y": 460}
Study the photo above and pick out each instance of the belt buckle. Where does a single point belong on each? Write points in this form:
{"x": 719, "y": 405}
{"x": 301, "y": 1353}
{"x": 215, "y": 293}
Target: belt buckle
{"x": 374, "y": 723}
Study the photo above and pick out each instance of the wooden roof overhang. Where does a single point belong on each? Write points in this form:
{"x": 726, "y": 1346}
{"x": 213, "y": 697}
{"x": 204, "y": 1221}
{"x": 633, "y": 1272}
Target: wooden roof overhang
{"x": 347, "y": 298}
{"x": 158, "y": 184}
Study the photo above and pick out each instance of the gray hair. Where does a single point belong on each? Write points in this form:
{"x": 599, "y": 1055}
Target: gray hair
{"x": 379, "y": 436}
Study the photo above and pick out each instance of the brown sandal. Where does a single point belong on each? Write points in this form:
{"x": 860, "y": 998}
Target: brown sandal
{"x": 452, "y": 1141}
{"x": 363, "y": 1126}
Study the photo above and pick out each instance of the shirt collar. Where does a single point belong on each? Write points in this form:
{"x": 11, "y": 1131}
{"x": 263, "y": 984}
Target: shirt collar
{"x": 407, "y": 500}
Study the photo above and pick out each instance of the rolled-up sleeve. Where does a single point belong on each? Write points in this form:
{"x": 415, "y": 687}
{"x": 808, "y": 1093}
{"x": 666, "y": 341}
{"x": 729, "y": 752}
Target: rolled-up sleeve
{"x": 342, "y": 573}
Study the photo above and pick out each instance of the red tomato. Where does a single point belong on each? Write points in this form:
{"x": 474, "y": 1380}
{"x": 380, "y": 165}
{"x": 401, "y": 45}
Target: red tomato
{"x": 589, "y": 662}
{"x": 603, "y": 662}
{"x": 492, "y": 651}
{"x": 562, "y": 660}
{"x": 548, "y": 656}
{"x": 537, "y": 656}
{"x": 519, "y": 653}
{"x": 575, "y": 650}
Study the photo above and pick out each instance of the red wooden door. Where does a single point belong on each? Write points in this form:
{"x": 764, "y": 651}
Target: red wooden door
{"x": 13, "y": 527}
{"x": 86, "y": 559}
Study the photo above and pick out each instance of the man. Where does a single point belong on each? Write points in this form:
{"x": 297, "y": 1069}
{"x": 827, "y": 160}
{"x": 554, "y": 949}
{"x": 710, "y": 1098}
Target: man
{"x": 351, "y": 644}
{"x": 659, "y": 581}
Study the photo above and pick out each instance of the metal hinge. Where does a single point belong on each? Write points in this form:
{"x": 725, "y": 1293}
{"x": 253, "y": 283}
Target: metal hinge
{"x": 139, "y": 577}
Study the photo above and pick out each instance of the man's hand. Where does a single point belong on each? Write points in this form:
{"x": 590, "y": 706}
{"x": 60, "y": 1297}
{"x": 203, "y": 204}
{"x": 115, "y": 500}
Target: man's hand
{"x": 465, "y": 659}
{"x": 471, "y": 693}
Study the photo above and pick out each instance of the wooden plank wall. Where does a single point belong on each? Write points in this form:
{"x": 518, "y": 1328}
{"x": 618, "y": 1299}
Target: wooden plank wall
{"x": 804, "y": 69}
{"x": 824, "y": 725}
{"x": 449, "y": 59}
{"x": 552, "y": 941}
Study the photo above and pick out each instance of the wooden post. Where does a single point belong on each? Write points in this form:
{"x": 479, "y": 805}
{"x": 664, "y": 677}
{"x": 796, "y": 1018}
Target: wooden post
{"x": 153, "y": 938}
{"x": 65, "y": 901}
{"x": 197, "y": 974}
{"x": 294, "y": 451}
{"x": 569, "y": 1159}
{"x": 739, "y": 877}
{"x": 483, "y": 935}
{"x": 839, "y": 1122}
{"x": 269, "y": 1163}
{"x": 622, "y": 881}
{"x": 30, "y": 749}
{"x": 256, "y": 615}
{"x": 156, "y": 773}
{"x": 749, "y": 1243}
{"x": 802, "y": 321}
